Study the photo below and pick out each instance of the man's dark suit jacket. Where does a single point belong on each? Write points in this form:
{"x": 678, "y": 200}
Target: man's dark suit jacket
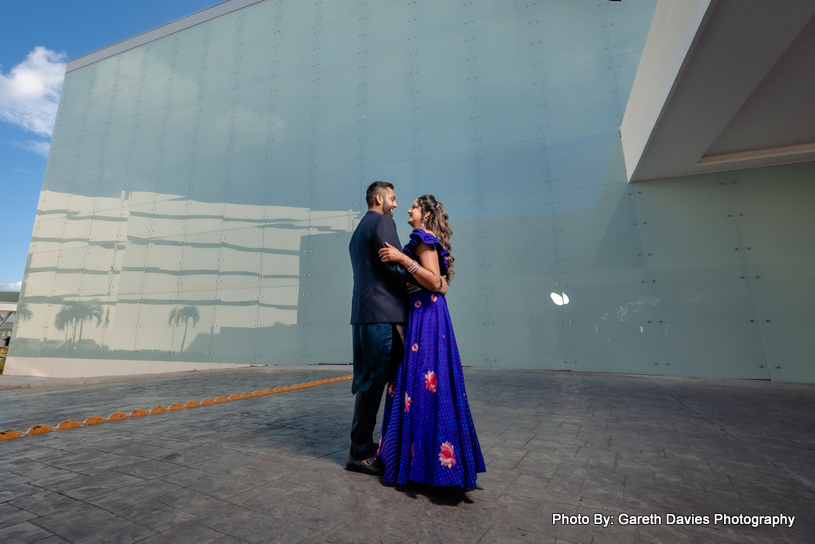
{"x": 379, "y": 288}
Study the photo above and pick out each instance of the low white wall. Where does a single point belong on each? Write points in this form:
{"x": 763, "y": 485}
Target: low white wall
{"x": 47, "y": 367}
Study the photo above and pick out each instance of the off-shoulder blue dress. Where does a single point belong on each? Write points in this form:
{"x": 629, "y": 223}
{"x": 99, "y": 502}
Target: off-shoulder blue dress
{"x": 428, "y": 435}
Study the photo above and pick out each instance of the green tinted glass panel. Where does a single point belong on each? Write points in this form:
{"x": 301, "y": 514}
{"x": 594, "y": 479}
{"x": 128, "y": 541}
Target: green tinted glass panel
{"x": 202, "y": 189}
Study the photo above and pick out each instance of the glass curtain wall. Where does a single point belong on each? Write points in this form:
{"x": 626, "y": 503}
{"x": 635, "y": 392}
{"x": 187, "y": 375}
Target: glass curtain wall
{"x": 202, "y": 189}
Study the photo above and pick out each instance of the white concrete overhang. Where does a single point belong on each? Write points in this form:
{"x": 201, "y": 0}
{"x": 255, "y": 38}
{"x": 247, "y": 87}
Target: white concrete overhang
{"x": 722, "y": 85}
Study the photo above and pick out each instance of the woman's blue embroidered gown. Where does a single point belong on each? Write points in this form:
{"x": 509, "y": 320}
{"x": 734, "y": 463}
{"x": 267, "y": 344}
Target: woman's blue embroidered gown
{"x": 428, "y": 435}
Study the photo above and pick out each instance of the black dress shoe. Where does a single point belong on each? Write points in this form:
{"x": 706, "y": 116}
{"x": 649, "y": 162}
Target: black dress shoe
{"x": 372, "y": 466}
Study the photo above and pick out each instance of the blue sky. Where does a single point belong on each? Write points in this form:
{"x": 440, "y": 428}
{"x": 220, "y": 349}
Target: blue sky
{"x": 36, "y": 39}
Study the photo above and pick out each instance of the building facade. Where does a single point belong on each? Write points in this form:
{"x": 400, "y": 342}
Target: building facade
{"x": 202, "y": 188}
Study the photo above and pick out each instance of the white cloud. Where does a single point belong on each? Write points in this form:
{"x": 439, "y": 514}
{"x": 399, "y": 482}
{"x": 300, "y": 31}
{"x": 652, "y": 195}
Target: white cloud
{"x": 11, "y": 286}
{"x": 37, "y": 146}
{"x": 29, "y": 94}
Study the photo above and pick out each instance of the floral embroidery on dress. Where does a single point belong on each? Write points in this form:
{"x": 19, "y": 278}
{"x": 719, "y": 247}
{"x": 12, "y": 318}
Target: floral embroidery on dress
{"x": 446, "y": 457}
{"x": 378, "y": 447}
{"x": 391, "y": 389}
{"x": 430, "y": 381}
{"x": 418, "y": 304}
{"x": 434, "y": 298}
{"x": 407, "y": 403}
{"x": 414, "y": 347}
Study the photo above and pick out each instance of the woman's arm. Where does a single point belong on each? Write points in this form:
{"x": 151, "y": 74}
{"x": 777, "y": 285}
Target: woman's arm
{"x": 385, "y": 233}
{"x": 427, "y": 274}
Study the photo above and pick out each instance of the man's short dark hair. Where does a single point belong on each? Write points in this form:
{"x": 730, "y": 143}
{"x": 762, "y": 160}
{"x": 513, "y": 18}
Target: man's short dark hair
{"x": 376, "y": 188}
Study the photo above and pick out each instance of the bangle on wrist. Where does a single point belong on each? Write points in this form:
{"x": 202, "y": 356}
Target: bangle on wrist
{"x": 414, "y": 266}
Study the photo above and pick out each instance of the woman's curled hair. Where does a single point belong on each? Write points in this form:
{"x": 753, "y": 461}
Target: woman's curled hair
{"x": 439, "y": 223}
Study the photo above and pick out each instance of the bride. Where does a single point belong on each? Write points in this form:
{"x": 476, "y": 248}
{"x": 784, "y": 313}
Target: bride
{"x": 428, "y": 435}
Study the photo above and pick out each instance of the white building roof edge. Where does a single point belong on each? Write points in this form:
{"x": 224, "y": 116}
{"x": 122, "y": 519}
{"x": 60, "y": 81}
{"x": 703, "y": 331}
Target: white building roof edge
{"x": 160, "y": 32}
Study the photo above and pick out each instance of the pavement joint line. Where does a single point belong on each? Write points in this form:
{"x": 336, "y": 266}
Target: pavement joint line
{"x": 42, "y": 428}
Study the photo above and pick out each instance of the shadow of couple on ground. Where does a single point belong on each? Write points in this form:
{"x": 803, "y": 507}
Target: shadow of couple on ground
{"x": 440, "y": 495}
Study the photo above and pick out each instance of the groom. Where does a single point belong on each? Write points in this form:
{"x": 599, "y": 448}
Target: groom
{"x": 378, "y": 313}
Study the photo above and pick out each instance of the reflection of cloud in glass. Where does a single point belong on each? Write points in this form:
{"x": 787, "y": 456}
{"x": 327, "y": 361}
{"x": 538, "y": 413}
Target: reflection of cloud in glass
{"x": 559, "y": 299}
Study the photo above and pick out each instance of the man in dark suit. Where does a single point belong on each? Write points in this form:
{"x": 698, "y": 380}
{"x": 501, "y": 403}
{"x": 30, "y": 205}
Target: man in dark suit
{"x": 378, "y": 312}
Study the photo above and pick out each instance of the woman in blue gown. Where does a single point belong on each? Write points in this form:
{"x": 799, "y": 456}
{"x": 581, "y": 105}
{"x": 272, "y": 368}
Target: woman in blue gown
{"x": 428, "y": 435}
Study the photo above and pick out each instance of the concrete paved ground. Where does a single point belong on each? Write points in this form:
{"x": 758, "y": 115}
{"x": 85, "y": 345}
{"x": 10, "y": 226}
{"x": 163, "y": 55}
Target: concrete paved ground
{"x": 269, "y": 469}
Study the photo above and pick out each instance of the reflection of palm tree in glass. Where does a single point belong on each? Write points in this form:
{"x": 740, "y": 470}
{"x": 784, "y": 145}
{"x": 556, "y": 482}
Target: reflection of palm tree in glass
{"x": 86, "y": 311}
{"x": 77, "y": 313}
{"x": 63, "y": 318}
{"x": 185, "y": 313}
{"x": 23, "y": 313}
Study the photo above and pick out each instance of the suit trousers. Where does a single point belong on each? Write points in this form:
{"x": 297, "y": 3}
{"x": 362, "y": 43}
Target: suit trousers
{"x": 378, "y": 350}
